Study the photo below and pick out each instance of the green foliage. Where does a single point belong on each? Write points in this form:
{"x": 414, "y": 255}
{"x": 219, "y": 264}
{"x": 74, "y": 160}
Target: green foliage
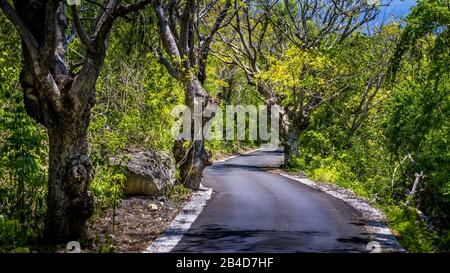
{"x": 177, "y": 192}
{"x": 429, "y": 17}
{"x": 106, "y": 246}
{"x": 417, "y": 124}
{"x": 107, "y": 187}
{"x": 414, "y": 234}
{"x": 23, "y": 155}
{"x": 135, "y": 97}
{"x": 13, "y": 237}
{"x": 410, "y": 120}
{"x": 300, "y": 75}
{"x": 135, "y": 101}
{"x": 326, "y": 175}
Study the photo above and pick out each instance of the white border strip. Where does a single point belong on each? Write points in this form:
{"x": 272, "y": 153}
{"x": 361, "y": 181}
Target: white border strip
{"x": 262, "y": 147}
{"x": 237, "y": 155}
{"x": 181, "y": 224}
{"x": 375, "y": 226}
{"x": 187, "y": 216}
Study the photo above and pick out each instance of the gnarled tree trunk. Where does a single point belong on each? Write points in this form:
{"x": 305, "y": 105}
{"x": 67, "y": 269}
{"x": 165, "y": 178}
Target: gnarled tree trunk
{"x": 290, "y": 136}
{"x": 61, "y": 100}
{"x": 69, "y": 203}
{"x": 290, "y": 145}
{"x": 187, "y": 47}
{"x": 192, "y": 161}
{"x": 62, "y": 104}
{"x": 191, "y": 155}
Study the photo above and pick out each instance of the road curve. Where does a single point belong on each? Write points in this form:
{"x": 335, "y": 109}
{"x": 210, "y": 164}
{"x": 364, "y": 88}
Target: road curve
{"x": 255, "y": 211}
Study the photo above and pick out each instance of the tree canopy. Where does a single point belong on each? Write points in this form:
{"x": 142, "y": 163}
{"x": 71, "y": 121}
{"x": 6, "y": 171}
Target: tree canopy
{"x": 364, "y": 104}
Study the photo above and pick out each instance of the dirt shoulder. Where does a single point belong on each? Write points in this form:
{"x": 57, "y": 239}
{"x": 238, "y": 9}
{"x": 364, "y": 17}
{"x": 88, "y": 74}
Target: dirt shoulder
{"x": 138, "y": 222}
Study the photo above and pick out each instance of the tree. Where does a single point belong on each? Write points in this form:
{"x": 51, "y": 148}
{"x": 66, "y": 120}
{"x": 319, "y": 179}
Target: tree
{"x": 186, "y": 34}
{"x": 417, "y": 120}
{"x": 429, "y": 17}
{"x": 368, "y": 56}
{"x": 61, "y": 98}
{"x": 312, "y": 25}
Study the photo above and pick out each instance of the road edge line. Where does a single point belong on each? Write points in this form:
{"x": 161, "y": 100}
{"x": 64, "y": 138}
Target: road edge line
{"x": 181, "y": 223}
{"x": 187, "y": 216}
{"x": 237, "y": 155}
{"x": 374, "y": 218}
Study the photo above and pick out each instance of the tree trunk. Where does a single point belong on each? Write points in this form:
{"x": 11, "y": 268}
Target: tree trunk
{"x": 69, "y": 203}
{"x": 192, "y": 161}
{"x": 290, "y": 145}
{"x": 291, "y": 134}
{"x": 191, "y": 155}
{"x": 61, "y": 99}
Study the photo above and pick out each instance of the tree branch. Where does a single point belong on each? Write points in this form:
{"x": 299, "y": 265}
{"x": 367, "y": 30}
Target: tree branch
{"x": 104, "y": 25}
{"x": 162, "y": 60}
{"x": 128, "y": 8}
{"x": 217, "y": 25}
{"x": 165, "y": 32}
{"x": 85, "y": 39}
{"x": 25, "y": 34}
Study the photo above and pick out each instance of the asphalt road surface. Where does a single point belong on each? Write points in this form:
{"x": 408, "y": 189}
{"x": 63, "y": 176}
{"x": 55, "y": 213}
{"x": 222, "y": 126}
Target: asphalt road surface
{"x": 255, "y": 211}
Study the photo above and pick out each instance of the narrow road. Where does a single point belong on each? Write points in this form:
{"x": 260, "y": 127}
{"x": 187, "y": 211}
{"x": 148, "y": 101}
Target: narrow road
{"x": 255, "y": 211}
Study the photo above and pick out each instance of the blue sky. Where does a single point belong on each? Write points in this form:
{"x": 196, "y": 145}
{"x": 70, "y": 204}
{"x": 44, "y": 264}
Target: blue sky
{"x": 400, "y": 7}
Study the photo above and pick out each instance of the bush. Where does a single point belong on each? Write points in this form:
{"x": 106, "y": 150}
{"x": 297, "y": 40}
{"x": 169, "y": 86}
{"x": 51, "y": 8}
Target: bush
{"x": 177, "y": 192}
{"x": 23, "y": 153}
{"x": 325, "y": 175}
{"x": 413, "y": 232}
{"x": 107, "y": 187}
{"x": 13, "y": 237}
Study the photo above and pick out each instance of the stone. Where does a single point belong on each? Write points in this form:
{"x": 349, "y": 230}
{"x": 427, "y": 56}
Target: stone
{"x": 148, "y": 173}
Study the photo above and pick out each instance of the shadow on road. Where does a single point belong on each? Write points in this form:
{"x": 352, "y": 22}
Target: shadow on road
{"x": 213, "y": 238}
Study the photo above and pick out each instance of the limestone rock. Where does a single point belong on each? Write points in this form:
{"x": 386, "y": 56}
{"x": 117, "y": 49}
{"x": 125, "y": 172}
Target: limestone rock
{"x": 148, "y": 173}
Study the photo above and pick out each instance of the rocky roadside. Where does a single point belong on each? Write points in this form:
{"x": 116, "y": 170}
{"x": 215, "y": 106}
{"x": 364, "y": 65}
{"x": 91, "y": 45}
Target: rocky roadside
{"x": 146, "y": 211}
{"x": 138, "y": 222}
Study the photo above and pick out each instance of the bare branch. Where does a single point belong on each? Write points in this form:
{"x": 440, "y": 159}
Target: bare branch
{"x": 162, "y": 60}
{"x": 104, "y": 25}
{"x": 85, "y": 39}
{"x": 128, "y": 8}
{"x": 217, "y": 25}
{"x": 51, "y": 29}
{"x": 165, "y": 32}
{"x": 25, "y": 34}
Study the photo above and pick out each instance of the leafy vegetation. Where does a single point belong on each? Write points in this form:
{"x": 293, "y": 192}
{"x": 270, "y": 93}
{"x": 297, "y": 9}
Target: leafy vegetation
{"x": 371, "y": 106}
{"x": 404, "y": 139}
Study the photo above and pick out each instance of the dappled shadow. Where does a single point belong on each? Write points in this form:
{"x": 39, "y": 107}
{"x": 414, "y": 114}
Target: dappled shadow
{"x": 226, "y": 168}
{"x": 355, "y": 240}
{"x": 387, "y": 241}
{"x": 264, "y": 153}
{"x": 213, "y": 238}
